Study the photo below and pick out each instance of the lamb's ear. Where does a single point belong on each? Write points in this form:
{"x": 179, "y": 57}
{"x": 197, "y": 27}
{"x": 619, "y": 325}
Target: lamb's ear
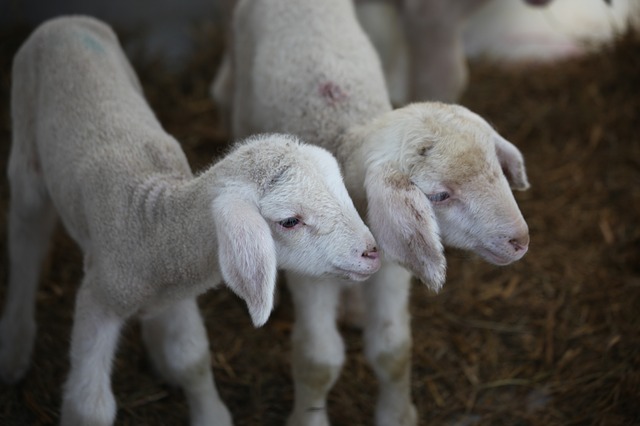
{"x": 512, "y": 163}
{"x": 404, "y": 225}
{"x": 247, "y": 254}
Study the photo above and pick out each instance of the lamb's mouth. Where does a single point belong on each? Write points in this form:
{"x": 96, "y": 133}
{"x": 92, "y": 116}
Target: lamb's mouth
{"x": 352, "y": 275}
{"x": 494, "y": 257}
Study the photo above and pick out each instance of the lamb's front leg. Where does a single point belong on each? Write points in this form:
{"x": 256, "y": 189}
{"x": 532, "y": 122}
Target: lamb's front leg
{"x": 388, "y": 344}
{"x": 177, "y": 343}
{"x": 318, "y": 349}
{"x": 88, "y": 399}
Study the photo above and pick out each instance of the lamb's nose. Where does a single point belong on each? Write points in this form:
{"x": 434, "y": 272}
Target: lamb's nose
{"x": 371, "y": 253}
{"x": 520, "y": 243}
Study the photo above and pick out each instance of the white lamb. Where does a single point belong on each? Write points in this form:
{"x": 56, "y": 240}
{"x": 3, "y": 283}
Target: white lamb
{"x": 88, "y": 148}
{"x": 423, "y": 175}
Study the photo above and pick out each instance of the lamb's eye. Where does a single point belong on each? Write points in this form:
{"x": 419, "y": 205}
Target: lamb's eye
{"x": 289, "y": 222}
{"x": 438, "y": 197}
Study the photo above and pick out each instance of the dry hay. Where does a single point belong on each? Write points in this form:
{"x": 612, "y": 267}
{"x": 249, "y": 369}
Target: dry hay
{"x": 551, "y": 340}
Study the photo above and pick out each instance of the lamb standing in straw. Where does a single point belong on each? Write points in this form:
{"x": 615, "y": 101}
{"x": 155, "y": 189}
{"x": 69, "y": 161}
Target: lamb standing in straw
{"x": 425, "y": 176}
{"x": 88, "y": 149}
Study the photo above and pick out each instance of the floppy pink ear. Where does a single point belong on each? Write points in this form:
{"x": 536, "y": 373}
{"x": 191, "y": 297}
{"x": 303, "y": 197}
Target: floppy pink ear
{"x": 404, "y": 225}
{"x": 247, "y": 254}
{"x": 512, "y": 163}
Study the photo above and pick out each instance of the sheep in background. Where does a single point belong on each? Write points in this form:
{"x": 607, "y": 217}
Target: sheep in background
{"x": 424, "y": 44}
{"x": 87, "y": 146}
{"x": 509, "y": 31}
{"x": 421, "y": 45}
{"x": 424, "y": 175}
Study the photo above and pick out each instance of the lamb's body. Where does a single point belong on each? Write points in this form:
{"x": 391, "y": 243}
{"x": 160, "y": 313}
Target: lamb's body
{"x": 125, "y": 182}
{"x": 326, "y": 104}
{"x": 87, "y": 146}
{"x": 320, "y": 107}
{"x": 424, "y": 175}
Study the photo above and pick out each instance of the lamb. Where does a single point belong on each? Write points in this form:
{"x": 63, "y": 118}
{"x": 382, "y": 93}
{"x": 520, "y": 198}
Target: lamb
{"x": 425, "y": 176}
{"x": 87, "y": 148}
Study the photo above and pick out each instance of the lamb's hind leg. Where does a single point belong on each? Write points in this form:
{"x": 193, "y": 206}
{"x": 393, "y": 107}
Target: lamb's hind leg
{"x": 388, "y": 344}
{"x": 177, "y": 343}
{"x": 31, "y": 221}
{"x": 318, "y": 349}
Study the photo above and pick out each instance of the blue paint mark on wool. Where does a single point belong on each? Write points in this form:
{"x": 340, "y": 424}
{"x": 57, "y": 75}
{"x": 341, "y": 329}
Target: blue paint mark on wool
{"x": 89, "y": 41}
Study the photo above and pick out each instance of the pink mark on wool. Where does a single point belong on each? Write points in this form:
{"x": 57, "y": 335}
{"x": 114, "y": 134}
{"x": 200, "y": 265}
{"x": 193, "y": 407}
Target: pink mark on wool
{"x": 332, "y": 92}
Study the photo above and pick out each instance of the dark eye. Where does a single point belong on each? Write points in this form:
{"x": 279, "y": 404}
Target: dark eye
{"x": 438, "y": 197}
{"x": 289, "y": 222}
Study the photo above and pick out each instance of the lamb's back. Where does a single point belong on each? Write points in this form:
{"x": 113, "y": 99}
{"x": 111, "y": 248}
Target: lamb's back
{"x": 79, "y": 107}
{"x": 311, "y": 69}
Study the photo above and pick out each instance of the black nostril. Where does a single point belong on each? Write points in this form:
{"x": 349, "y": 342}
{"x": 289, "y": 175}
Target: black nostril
{"x": 517, "y": 244}
{"x": 371, "y": 254}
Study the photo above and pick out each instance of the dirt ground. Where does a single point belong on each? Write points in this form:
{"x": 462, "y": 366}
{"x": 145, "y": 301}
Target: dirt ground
{"x": 553, "y": 339}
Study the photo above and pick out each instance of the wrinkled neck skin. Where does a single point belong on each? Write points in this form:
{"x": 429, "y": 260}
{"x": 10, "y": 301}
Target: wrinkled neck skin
{"x": 170, "y": 238}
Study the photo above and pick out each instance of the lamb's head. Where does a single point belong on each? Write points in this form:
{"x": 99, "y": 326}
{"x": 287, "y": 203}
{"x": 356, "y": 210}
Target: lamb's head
{"x": 293, "y": 212}
{"x": 441, "y": 175}
{"x": 314, "y": 223}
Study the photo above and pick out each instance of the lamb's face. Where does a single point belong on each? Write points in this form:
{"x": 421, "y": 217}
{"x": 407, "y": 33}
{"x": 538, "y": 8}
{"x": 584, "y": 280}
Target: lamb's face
{"x": 460, "y": 174}
{"x": 439, "y": 174}
{"x": 314, "y": 223}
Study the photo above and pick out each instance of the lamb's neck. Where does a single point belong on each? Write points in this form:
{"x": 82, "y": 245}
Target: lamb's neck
{"x": 365, "y": 146}
{"x": 177, "y": 226}
{"x": 353, "y": 142}
{"x": 352, "y": 157}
